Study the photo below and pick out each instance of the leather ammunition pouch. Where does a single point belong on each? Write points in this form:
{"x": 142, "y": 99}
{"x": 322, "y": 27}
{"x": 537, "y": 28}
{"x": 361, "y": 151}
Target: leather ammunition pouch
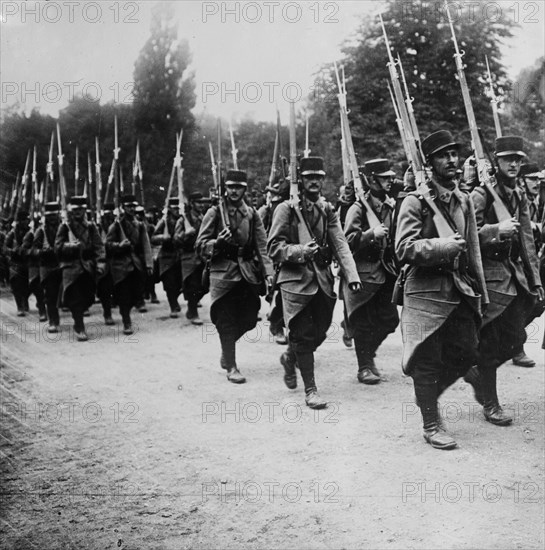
{"x": 323, "y": 257}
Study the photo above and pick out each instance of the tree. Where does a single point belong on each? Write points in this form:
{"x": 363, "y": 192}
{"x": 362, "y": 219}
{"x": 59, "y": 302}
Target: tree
{"x": 423, "y": 41}
{"x": 164, "y": 94}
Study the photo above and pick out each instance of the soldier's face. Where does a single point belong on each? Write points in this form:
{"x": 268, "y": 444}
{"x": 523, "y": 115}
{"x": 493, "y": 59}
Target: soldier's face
{"x": 235, "y": 192}
{"x": 78, "y": 213}
{"x": 532, "y": 185}
{"x": 198, "y": 207}
{"x": 129, "y": 209}
{"x": 383, "y": 183}
{"x": 445, "y": 163}
{"x": 509, "y": 166}
{"x": 312, "y": 184}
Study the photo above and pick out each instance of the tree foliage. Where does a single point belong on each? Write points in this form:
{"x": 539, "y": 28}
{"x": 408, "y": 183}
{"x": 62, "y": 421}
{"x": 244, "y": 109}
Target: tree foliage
{"x": 423, "y": 42}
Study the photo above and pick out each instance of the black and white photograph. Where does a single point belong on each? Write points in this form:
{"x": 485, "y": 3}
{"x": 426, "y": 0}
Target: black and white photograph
{"x": 272, "y": 275}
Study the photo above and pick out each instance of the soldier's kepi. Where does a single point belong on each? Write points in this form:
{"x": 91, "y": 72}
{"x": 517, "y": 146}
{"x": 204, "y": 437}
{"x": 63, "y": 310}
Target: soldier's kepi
{"x": 238, "y": 266}
{"x": 444, "y": 287}
{"x": 305, "y": 277}
{"x": 512, "y": 275}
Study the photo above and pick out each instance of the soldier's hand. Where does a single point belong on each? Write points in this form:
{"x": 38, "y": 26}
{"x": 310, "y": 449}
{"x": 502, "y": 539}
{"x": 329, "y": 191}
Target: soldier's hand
{"x": 224, "y": 236}
{"x": 310, "y": 249}
{"x": 509, "y": 228}
{"x": 355, "y": 287}
{"x": 149, "y": 271}
{"x": 381, "y": 231}
{"x": 71, "y": 245}
{"x": 125, "y": 243}
{"x": 190, "y": 232}
{"x": 455, "y": 244}
{"x": 540, "y": 293}
{"x": 100, "y": 271}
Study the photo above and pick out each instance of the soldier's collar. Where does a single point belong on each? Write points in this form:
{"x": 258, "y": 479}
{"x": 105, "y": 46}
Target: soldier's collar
{"x": 444, "y": 194}
{"x": 242, "y": 208}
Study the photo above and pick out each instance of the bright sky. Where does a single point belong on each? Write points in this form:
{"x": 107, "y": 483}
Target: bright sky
{"x": 247, "y": 56}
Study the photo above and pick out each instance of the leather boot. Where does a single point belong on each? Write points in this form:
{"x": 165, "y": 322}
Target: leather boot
{"x": 289, "y": 362}
{"x": 192, "y": 313}
{"x": 235, "y": 376}
{"x": 492, "y": 410}
{"x": 434, "y": 432}
{"x": 520, "y": 359}
{"x": 228, "y": 359}
{"x": 305, "y": 361}
{"x": 473, "y": 377}
{"x": 367, "y": 370}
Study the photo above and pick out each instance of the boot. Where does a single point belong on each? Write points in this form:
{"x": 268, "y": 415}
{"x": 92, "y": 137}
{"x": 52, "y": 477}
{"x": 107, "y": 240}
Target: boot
{"x": 108, "y": 316}
{"x": 367, "y": 370}
{"x": 520, "y": 359}
{"x": 235, "y": 376}
{"x": 154, "y": 299}
{"x": 473, "y": 377}
{"x": 193, "y": 314}
{"x": 288, "y": 361}
{"x": 434, "y": 432}
{"x": 228, "y": 359}
{"x": 126, "y": 319}
{"x": 42, "y": 314}
{"x": 19, "y": 302}
{"x": 305, "y": 361}
{"x": 174, "y": 306}
{"x": 492, "y": 410}
{"x": 347, "y": 340}
{"x": 79, "y": 326}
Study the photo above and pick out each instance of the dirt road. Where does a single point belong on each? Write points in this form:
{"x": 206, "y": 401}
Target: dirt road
{"x": 139, "y": 442}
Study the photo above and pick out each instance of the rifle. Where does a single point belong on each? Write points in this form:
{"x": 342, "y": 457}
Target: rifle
{"x": 169, "y": 190}
{"x": 140, "y": 172}
{"x": 49, "y": 169}
{"x": 76, "y": 172}
{"x": 414, "y": 156}
{"x": 281, "y": 156}
{"x": 217, "y": 185}
{"x": 116, "y": 183}
{"x": 306, "y": 152}
{"x": 98, "y": 184}
{"x": 181, "y": 195}
{"x": 21, "y": 199}
{"x": 273, "y": 163}
{"x": 234, "y": 150}
{"x": 62, "y": 188}
{"x": 494, "y": 102}
{"x": 14, "y": 196}
{"x": 35, "y": 193}
{"x": 399, "y": 123}
{"x": 358, "y": 186}
{"x": 501, "y": 211}
{"x": 88, "y": 183}
{"x": 305, "y": 236}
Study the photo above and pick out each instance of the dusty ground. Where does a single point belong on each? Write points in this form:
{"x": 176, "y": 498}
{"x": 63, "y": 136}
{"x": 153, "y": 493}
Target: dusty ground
{"x": 141, "y": 443}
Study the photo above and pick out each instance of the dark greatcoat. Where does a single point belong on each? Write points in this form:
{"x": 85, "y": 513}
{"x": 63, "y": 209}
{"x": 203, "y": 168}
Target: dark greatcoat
{"x": 433, "y": 289}
{"x": 298, "y": 279}
{"x": 85, "y": 260}
{"x": 502, "y": 273}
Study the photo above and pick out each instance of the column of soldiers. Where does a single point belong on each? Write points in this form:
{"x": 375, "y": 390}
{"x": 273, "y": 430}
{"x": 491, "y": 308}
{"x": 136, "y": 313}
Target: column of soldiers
{"x": 466, "y": 298}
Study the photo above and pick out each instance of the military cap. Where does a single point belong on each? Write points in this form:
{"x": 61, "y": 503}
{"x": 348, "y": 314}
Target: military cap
{"x": 510, "y": 145}
{"x": 236, "y": 177}
{"x": 196, "y": 196}
{"x": 437, "y": 142}
{"x": 108, "y": 207}
{"x": 129, "y": 200}
{"x": 312, "y": 165}
{"x": 529, "y": 169}
{"x": 378, "y": 167}
{"x": 140, "y": 209}
{"x": 173, "y": 201}
{"x": 78, "y": 201}
{"x": 52, "y": 207}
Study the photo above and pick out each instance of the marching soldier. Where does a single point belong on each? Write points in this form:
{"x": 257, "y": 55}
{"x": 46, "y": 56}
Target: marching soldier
{"x": 512, "y": 276}
{"x": 169, "y": 263}
{"x": 81, "y": 254}
{"x": 130, "y": 257}
{"x": 266, "y": 212}
{"x": 444, "y": 286}
{"x": 4, "y": 265}
{"x": 191, "y": 264}
{"x": 43, "y": 247}
{"x": 18, "y": 262}
{"x": 105, "y": 283}
{"x": 346, "y": 200}
{"x": 238, "y": 268}
{"x": 370, "y": 314}
{"x": 33, "y": 264}
{"x": 529, "y": 182}
{"x": 305, "y": 276}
